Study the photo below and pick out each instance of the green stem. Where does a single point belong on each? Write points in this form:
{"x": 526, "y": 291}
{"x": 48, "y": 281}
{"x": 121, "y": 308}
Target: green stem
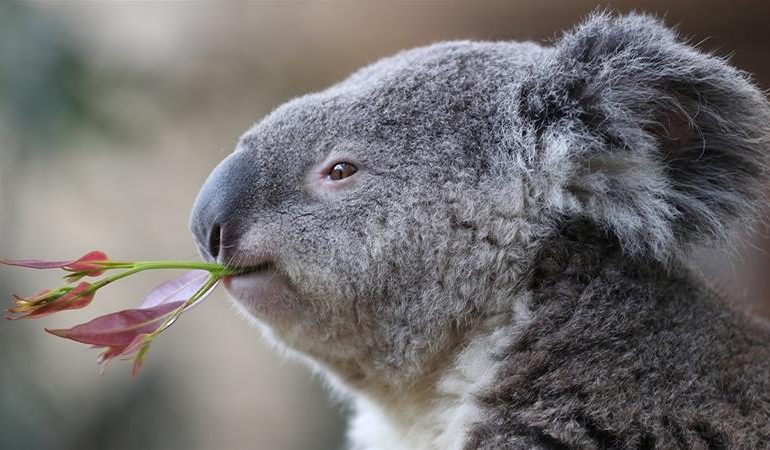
{"x": 216, "y": 270}
{"x": 147, "y": 265}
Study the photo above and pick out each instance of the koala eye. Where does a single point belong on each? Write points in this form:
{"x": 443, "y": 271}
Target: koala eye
{"x": 342, "y": 170}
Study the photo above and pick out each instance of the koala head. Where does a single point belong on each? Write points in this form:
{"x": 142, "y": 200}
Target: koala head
{"x": 390, "y": 214}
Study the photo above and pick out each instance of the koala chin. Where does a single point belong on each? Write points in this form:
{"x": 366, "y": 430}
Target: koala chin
{"x": 486, "y": 245}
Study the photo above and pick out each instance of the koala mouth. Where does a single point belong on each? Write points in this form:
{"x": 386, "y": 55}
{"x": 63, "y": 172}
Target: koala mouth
{"x": 262, "y": 290}
{"x": 261, "y": 267}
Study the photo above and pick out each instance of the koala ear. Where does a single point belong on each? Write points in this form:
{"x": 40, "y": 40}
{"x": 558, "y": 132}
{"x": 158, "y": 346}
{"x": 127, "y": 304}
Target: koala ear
{"x": 657, "y": 142}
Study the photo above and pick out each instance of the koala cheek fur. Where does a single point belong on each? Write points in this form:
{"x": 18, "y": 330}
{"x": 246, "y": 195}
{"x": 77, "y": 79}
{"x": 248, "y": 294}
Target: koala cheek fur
{"x": 507, "y": 265}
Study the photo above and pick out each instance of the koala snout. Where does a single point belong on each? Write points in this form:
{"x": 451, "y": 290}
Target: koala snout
{"x": 217, "y": 220}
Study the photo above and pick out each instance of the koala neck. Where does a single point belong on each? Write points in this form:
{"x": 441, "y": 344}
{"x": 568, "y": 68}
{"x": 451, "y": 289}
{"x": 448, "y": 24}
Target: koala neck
{"x": 438, "y": 409}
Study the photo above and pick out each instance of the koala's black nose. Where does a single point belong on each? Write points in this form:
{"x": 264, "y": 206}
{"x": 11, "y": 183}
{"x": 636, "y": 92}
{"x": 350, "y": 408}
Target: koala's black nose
{"x": 209, "y": 239}
{"x": 222, "y": 207}
{"x": 207, "y": 232}
{"x": 215, "y": 240}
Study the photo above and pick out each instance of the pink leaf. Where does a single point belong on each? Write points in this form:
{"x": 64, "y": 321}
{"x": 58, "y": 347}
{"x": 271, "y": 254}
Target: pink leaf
{"x": 135, "y": 345}
{"x": 88, "y": 264}
{"x": 119, "y": 328}
{"x": 34, "y": 263}
{"x": 180, "y": 288}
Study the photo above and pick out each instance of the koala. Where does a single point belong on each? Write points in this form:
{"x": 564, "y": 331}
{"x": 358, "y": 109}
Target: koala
{"x": 489, "y": 245}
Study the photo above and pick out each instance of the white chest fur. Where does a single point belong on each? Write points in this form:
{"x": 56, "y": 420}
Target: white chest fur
{"x": 443, "y": 421}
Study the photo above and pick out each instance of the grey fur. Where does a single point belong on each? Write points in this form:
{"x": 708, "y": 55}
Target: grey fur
{"x": 577, "y": 176}
{"x": 623, "y": 355}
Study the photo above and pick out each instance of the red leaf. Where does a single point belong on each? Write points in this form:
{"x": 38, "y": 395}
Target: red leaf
{"x": 180, "y": 288}
{"x": 119, "y": 328}
{"x": 48, "y": 302}
{"x": 88, "y": 263}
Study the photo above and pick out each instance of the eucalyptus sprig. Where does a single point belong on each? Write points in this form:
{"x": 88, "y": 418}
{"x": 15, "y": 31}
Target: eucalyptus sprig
{"x": 127, "y": 333}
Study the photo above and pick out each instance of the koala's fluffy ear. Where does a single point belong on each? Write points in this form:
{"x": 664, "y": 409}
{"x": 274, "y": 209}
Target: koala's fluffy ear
{"x": 657, "y": 142}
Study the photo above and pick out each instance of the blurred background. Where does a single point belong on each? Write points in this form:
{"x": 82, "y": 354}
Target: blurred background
{"x": 111, "y": 117}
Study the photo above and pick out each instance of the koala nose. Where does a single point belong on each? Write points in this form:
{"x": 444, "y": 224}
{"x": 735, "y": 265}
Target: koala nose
{"x": 220, "y": 210}
{"x": 214, "y": 240}
{"x": 207, "y": 232}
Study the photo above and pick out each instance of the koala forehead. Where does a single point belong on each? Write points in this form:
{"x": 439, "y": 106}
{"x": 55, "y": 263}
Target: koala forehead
{"x": 413, "y": 107}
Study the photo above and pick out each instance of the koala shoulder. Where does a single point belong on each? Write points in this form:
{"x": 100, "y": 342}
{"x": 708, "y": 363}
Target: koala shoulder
{"x": 619, "y": 354}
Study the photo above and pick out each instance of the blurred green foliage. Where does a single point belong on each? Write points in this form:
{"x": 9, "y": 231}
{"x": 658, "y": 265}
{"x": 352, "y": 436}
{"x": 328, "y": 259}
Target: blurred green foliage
{"x": 45, "y": 83}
